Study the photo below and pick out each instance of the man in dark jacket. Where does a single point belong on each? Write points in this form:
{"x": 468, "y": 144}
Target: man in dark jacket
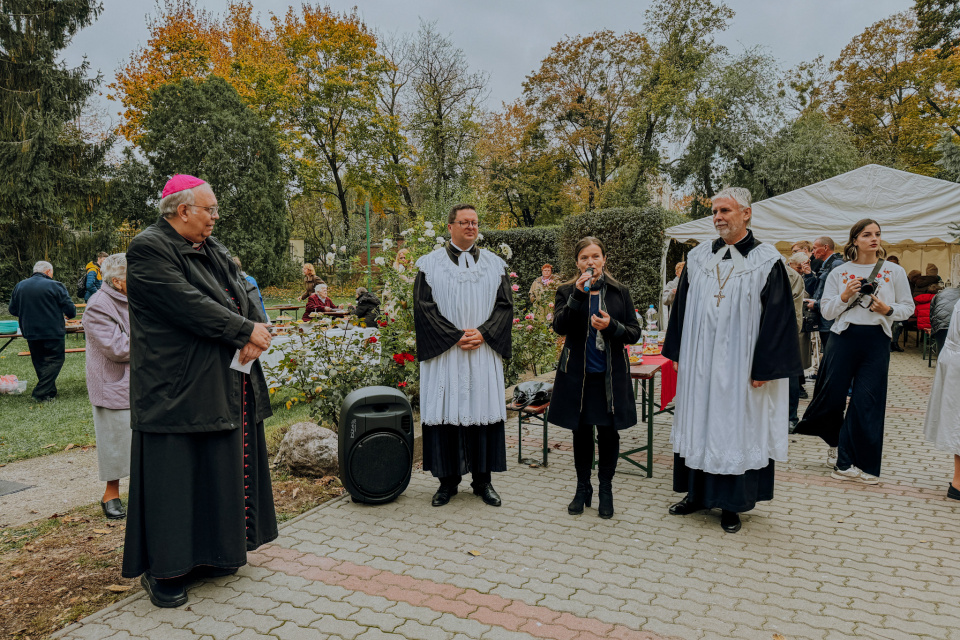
{"x": 200, "y": 494}
{"x": 823, "y": 249}
{"x": 941, "y": 310}
{"x": 368, "y": 307}
{"x": 40, "y": 303}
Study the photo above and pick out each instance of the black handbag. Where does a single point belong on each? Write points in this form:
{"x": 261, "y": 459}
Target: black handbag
{"x": 532, "y": 393}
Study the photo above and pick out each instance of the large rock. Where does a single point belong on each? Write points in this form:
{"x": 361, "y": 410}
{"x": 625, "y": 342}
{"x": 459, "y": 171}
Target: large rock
{"x": 309, "y": 450}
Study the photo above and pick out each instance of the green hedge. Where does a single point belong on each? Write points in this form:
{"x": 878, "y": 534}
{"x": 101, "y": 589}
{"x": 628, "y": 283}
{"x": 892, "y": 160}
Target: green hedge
{"x": 532, "y": 248}
{"x": 634, "y": 240}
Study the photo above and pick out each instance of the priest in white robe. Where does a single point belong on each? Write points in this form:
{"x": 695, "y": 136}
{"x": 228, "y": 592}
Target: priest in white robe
{"x": 463, "y": 315}
{"x": 733, "y": 336}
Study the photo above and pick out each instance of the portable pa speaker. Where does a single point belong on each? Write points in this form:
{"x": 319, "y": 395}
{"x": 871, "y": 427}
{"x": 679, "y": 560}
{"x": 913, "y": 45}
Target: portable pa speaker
{"x": 376, "y": 444}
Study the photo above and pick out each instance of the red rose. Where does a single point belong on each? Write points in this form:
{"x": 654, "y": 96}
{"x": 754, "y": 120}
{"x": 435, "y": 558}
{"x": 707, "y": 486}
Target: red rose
{"x": 372, "y": 339}
{"x": 402, "y": 384}
{"x": 399, "y": 358}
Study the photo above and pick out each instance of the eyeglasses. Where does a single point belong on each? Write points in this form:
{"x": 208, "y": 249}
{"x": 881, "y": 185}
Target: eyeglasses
{"x": 466, "y": 224}
{"x": 212, "y": 211}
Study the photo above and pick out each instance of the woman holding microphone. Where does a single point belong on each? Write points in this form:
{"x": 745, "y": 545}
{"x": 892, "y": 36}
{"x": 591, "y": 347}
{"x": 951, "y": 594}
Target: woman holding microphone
{"x": 864, "y": 297}
{"x": 593, "y": 386}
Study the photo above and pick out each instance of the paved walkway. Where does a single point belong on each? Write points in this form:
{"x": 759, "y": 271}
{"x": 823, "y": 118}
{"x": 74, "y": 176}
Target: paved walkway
{"x": 823, "y": 560}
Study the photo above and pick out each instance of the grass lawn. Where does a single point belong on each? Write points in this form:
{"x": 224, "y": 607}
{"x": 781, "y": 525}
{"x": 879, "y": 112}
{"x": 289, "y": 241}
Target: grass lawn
{"x": 28, "y": 429}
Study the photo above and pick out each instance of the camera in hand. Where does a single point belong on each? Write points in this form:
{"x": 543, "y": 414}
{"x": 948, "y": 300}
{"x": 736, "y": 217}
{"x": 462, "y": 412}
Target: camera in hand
{"x": 867, "y": 288}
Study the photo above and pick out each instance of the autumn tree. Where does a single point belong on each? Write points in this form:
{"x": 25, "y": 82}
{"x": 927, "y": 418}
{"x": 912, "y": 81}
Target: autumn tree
{"x": 446, "y": 98}
{"x": 583, "y": 91}
{"x": 522, "y": 173}
{"x": 938, "y": 26}
{"x": 895, "y": 101}
{"x": 51, "y": 188}
{"x": 205, "y": 129}
{"x": 733, "y": 109}
{"x": 394, "y": 88}
{"x": 679, "y": 49}
{"x": 185, "y": 42}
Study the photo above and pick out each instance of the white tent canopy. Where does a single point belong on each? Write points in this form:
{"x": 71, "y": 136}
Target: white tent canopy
{"x": 914, "y": 213}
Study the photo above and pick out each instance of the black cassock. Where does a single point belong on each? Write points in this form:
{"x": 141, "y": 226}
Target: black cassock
{"x": 201, "y": 499}
{"x": 451, "y": 451}
{"x": 777, "y": 355}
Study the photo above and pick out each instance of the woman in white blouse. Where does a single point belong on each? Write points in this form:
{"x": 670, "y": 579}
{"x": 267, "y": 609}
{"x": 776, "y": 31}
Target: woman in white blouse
{"x": 864, "y": 301}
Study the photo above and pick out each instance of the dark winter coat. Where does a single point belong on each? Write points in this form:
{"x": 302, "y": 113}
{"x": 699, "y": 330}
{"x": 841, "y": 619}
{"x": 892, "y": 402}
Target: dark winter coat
{"x": 570, "y": 319}
{"x": 941, "y": 309}
{"x": 368, "y": 309}
{"x": 185, "y": 331}
{"x": 40, "y": 303}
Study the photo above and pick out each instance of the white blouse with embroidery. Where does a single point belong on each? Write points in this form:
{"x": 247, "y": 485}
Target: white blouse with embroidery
{"x": 892, "y": 288}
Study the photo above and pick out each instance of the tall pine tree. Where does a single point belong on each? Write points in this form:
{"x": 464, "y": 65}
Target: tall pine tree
{"x": 50, "y": 176}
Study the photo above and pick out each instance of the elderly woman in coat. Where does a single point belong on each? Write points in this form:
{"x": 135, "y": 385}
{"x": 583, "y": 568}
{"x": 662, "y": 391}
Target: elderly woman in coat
{"x": 106, "y": 323}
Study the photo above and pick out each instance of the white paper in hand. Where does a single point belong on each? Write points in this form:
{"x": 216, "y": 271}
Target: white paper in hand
{"x": 245, "y": 368}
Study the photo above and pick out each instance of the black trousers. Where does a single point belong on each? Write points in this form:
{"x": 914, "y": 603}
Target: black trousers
{"x": 608, "y": 451}
{"x": 794, "y": 397}
{"x": 47, "y": 357}
{"x": 860, "y": 356}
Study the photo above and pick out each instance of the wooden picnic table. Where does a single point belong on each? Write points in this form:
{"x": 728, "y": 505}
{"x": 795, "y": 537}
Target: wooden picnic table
{"x": 75, "y": 329}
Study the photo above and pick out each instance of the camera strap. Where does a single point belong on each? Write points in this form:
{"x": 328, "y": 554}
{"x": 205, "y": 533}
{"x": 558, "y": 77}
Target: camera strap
{"x": 871, "y": 278}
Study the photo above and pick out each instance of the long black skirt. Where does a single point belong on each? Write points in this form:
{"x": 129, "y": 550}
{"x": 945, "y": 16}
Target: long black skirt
{"x": 714, "y": 491}
{"x": 451, "y": 450}
{"x": 198, "y": 499}
{"x": 858, "y": 358}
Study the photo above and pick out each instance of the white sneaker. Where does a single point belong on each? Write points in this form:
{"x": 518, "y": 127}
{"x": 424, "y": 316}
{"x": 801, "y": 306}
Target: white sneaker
{"x": 856, "y": 475}
{"x": 832, "y": 456}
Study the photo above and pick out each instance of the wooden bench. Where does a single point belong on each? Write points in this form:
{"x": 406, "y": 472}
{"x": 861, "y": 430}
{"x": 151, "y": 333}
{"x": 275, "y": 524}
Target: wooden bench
{"x": 80, "y": 350}
{"x": 529, "y": 414}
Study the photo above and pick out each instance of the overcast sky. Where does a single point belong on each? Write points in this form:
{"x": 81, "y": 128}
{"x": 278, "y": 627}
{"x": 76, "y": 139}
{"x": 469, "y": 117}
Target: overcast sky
{"x": 509, "y": 38}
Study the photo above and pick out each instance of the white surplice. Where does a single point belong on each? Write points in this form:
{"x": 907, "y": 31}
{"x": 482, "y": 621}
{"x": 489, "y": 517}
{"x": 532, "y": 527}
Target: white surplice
{"x": 463, "y": 387}
{"x": 942, "y": 424}
{"x": 722, "y": 425}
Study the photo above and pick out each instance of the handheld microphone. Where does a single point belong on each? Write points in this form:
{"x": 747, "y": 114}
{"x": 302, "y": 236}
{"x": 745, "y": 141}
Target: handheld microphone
{"x": 586, "y": 285}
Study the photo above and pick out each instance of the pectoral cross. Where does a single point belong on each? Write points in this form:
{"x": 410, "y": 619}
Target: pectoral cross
{"x": 719, "y": 296}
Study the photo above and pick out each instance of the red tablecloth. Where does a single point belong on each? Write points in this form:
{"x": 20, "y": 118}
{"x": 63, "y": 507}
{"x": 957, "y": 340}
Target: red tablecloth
{"x": 668, "y": 377}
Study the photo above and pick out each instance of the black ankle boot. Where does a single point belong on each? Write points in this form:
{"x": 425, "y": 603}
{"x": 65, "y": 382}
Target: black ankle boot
{"x": 605, "y": 509}
{"x": 582, "y": 498}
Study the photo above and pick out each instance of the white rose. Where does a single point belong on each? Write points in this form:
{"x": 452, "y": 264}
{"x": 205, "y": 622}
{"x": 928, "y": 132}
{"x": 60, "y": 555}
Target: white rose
{"x": 387, "y": 244}
{"x": 479, "y": 236}
{"x": 428, "y": 225}
{"x": 331, "y": 258}
{"x": 406, "y": 232}
{"x": 379, "y": 260}
{"x": 421, "y": 239}
{"x": 429, "y": 233}
{"x": 343, "y": 249}
{"x": 334, "y": 246}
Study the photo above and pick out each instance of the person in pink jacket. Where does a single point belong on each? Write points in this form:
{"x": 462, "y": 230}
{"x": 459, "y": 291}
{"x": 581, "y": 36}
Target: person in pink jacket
{"x": 106, "y": 323}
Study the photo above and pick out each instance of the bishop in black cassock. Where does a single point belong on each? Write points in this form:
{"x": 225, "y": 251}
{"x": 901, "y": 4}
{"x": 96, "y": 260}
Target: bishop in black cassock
{"x": 733, "y": 333}
{"x": 463, "y": 315}
{"x": 200, "y": 494}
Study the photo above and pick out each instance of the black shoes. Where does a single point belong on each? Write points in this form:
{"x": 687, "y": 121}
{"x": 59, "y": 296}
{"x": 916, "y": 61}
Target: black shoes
{"x": 685, "y": 507}
{"x": 953, "y": 492}
{"x": 605, "y": 508}
{"x": 443, "y": 495}
{"x": 803, "y": 394}
{"x": 113, "y": 509}
{"x": 896, "y": 347}
{"x": 582, "y": 498}
{"x": 730, "y": 521}
{"x": 166, "y": 594}
{"x": 487, "y": 493}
